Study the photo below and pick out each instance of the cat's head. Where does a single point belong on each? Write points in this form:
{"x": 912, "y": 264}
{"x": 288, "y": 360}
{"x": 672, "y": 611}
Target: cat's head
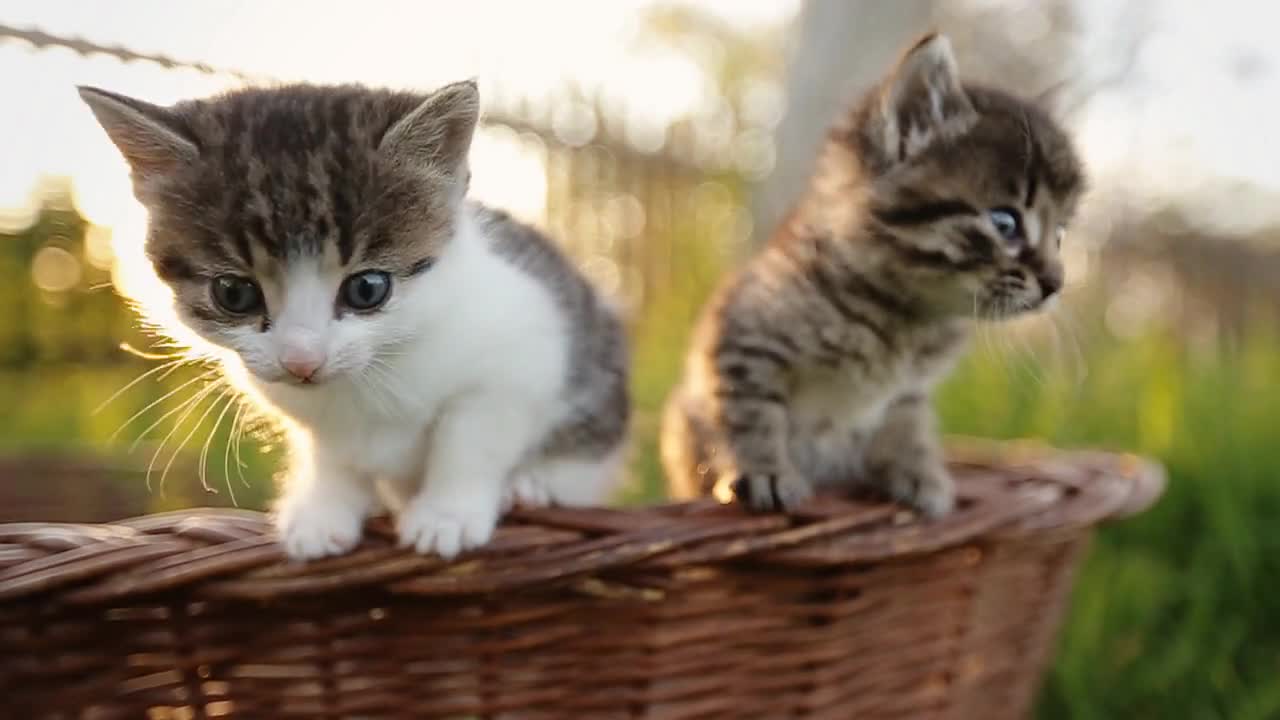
{"x": 294, "y": 225}
{"x": 967, "y": 191}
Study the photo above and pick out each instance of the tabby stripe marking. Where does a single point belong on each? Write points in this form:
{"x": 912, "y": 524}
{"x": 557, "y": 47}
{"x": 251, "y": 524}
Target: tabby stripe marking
{"x": 924, "y": 213}
{"x": 753, "y": 351}
{"x": 832, "y": 293}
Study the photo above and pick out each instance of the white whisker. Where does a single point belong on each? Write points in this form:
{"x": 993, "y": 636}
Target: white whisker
{"x": 240, "y": 466}
{"x": 380, "y": 383}
{"x": 170, "y": 364}
{"x": 1079, "y": 362}
{"x": 226, "y": 450}
{"x": 204, "y": 451}
{"x": 187, "y": 407}
{"x": 190, "y": 434}
{"x": 130, "y": 349}
{"x": 157, "y": 401}
{"x": 1030, "y": 360}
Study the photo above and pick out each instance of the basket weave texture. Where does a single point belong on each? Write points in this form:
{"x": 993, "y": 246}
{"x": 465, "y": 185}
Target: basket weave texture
{"x": 846, "y": 610}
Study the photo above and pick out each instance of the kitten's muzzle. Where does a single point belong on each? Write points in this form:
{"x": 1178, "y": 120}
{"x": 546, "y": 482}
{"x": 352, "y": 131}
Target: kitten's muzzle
{"x": 1050, "y": 283}
{"x": 303, "y": 370}
{"x": 301, "y": 354}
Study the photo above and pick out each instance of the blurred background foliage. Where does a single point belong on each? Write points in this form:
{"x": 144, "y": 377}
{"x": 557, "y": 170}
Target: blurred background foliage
{"x": 1167, "y": 342}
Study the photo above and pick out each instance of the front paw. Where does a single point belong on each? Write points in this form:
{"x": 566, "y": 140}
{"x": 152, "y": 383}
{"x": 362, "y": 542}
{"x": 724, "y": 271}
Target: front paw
{"x": 310, "y": 530}
{"x": 770, "y": 492}
{"x": 927, "y": 488}
{"x": 446, "y": 529}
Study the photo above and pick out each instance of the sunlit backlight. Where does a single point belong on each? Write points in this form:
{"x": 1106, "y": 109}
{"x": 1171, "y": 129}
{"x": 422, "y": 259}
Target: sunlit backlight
{"x": 604, "y": 274}
{"x": 55, "y": 270}
{"x": 14, "y": 220}
{"x": 134, "y": 278}
{"x": 624, "y": 215}
{"x": 97, "y": 247}
{"x": 509, "y": 171}
{"x": 657, "y": 91}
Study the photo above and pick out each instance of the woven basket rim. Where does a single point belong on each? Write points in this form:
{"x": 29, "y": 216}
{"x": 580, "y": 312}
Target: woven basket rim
{"x": 1006, "y": 490}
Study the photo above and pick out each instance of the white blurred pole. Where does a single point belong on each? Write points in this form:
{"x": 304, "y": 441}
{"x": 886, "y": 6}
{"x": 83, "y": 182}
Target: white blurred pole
{"x": 840, "y": 47}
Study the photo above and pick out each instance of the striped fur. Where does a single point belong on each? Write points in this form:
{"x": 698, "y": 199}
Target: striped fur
{"x": 813, "y": 365}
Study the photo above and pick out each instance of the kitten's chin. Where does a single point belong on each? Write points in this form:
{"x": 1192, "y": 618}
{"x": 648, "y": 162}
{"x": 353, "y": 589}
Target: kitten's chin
{"x": 293, "y": 398}
{"x": 284, "y": 383}
{"x": 1008, "y": 308}
{"x": 291, "y": 382}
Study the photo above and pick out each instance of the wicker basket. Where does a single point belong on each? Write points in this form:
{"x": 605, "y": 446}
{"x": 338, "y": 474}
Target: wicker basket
{"x": 856, "y": 610}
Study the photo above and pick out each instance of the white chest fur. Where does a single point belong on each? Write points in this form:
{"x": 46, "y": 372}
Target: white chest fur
{"x": 475, "y": 324}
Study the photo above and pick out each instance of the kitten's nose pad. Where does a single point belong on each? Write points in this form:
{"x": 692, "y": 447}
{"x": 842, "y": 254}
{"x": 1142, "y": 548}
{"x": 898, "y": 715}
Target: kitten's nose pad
{"x": 301, "y": 369}
{"x": 301, "y": 365}
{"x": 1050, "y": 283}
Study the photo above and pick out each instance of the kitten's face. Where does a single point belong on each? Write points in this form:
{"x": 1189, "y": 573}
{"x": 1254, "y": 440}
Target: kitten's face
{"x": 971, "y": 190}
{"x": 295, "y": 225}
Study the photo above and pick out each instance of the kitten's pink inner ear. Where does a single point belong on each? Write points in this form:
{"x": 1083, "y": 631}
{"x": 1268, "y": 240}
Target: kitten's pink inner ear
{"x": 147, "y": 135}
{"x": 923, "y": 99}
{"x": 437, "y": 134}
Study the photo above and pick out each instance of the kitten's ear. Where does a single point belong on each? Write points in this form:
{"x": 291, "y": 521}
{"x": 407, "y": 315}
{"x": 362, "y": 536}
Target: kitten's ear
{"x": 151, "y": 138}
{"x": 922, "y": 100}
{"x": 437, "y": 133}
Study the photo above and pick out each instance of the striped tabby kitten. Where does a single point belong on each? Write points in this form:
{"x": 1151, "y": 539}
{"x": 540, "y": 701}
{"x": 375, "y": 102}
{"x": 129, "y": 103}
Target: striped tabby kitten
{"x": 419, "y": 350}
{"x": 933, "y": 203}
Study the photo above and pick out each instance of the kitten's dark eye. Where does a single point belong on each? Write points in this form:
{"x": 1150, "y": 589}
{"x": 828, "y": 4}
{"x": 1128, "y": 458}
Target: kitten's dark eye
{"x": 366, "y": 290}
{"x": 237, "y": 295}
{"x": 1007, "y": 222}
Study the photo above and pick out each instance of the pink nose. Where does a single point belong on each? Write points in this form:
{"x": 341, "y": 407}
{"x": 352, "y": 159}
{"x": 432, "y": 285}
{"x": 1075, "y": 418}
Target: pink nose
{"x": 302, "y": 368}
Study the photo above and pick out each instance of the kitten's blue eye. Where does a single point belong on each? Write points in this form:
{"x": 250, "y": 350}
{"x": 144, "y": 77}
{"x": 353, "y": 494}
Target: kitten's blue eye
{"x": 237, "y": 295}
{"x": 1007, "y": 222}
{"x": 365, "y": 290}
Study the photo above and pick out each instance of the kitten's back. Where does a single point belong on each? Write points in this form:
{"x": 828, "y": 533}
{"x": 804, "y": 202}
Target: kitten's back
{"x": 596, "y": 387}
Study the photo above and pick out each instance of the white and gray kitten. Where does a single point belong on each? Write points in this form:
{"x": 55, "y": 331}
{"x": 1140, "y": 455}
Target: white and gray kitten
{"x": 418, "y": 349}
{"x": 934, "y": 202}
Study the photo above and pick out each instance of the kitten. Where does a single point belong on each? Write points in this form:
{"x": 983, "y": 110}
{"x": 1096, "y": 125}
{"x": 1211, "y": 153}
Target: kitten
{"x": 419, "y": 350}
{"x": 934, "y": 202}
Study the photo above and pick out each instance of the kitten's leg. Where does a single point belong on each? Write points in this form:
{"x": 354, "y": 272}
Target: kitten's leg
{"x": 476, "y": 444}
{"x": 323, "y": 507}
{"x": 685, "y": 445}
{"x": 566, "y": 481}
{"x": 751, "y": 405}
{"x": 527, "y": 487}
{"x": 396, "y": 492}
{"x": 906, "y": 459}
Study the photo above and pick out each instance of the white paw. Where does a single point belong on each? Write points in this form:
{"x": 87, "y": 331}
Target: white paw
{"x": 527, "y": 490}
{"x": 310, "y": 531}
{"x": 446, "y": 530}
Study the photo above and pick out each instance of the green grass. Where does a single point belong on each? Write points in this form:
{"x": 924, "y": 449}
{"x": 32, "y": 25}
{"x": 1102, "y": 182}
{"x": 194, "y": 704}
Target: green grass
{"x": 1175, "y": 613}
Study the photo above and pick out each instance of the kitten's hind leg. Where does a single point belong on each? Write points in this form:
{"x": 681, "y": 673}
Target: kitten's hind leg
{"x": 569, "y": 482}
{"x": 527, "y": 488}
{"x": 684, "y": 445}
{"x": 394, "y": 493}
